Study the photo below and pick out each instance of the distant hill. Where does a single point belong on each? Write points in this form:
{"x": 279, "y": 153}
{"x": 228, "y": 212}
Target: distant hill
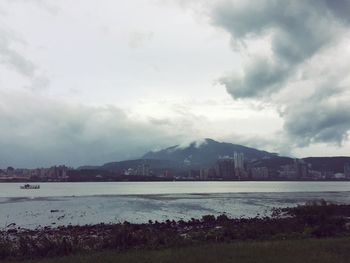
{"x": 335, "y": 164}
{"x": 205, "y": 153}
{"x": 273, "y": 163}
{"x": 181, "y": 158}
{"x": 154, "y": 163}
{"x": 88, "y": 167}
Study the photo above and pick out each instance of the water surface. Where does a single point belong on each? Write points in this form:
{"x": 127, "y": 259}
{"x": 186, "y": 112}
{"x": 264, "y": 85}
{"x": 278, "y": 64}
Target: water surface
{"x": 92, "y": 203}
{"x": 148, "y": 188}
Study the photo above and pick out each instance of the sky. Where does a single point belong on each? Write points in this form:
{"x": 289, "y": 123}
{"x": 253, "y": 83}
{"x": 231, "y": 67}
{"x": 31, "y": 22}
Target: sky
{"x": 93, "y": 81}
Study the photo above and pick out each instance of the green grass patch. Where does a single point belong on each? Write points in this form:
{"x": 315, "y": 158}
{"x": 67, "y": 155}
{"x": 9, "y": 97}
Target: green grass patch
{"x": 328, "y": 250}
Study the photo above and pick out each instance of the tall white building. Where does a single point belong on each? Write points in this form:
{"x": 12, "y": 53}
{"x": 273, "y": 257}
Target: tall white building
{"x": 238, "y": 160}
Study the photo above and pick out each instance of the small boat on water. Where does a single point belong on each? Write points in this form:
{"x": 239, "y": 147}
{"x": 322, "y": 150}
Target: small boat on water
{"x": 30, "y": 186}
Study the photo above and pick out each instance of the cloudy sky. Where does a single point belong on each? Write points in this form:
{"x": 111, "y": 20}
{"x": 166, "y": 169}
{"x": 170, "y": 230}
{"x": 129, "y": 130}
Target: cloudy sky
{"x": 92, "y": 81}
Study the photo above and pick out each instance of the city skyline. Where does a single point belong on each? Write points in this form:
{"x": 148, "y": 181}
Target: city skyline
{"x": 209, "y": 161}
{"x": 87, "y": 82}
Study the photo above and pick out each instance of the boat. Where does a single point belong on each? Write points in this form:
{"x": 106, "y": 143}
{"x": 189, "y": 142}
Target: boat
{"x": 30, "y": 186}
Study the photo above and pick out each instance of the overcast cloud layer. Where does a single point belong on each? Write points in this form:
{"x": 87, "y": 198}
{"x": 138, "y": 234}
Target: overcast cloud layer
{"x": 87, "y": 82}
{"x": 48, "y": 131}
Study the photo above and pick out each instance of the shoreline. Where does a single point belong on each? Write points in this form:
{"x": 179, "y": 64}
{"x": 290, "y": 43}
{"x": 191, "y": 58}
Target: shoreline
{"x": 177, "y": 180}
{"x": 31, "y": 212}
{"x": 174, "y": 195}
{"x": 317, "y": 220}
{"x": 161, "y": 188}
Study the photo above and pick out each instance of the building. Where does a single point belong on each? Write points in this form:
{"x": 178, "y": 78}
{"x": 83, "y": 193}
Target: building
{"x": 193, "y": 174}
{"x": 204, "y": 174}
{"x": 315, "y": 175}
{"x": 238, "y": 160}
{"x": 143, "y": 170}
{"x": 129, "y": 171}
{"x": 326, "y": 174}
{"x": 259, "y": 173}
{"x": 226, "y": 168}
{"x": 297, "y": 170}
{"x": 301, "y": 168}
{"x": 288, "y": 171}
{"x": 10, "y": 171}
{"x": 57, "y": 173}
{"x": 347, "y": 170}
{"x": 339, "y": 176}
{"x": 167, "y": 174}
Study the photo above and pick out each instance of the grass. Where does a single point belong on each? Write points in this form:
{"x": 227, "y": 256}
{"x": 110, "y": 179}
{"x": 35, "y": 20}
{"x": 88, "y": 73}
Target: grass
{"x": 328, "y": 250}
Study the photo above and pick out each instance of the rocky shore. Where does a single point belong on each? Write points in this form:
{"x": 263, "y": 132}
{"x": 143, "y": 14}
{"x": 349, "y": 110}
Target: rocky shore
{"x": 311, "y": 220}
{"x": 55, "y": 211}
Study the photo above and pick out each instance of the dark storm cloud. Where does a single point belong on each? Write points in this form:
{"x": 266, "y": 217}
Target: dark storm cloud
{"x": 41, "y": 131}
{"x": 340, "y": 7}
{"x": 323, "y": 117}
{"x": 297, "y": 31}
{"x": 297, "y": 34}
{"x": 261, "y": 76}
{"x": 323, "y": 124}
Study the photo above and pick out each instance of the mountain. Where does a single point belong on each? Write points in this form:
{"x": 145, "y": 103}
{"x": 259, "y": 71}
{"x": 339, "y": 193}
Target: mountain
{"x": 205, "y": 153}
{"x": 335, "y": 164}
{"x": 124, "y": 165}
{"x": 273, "y": 163}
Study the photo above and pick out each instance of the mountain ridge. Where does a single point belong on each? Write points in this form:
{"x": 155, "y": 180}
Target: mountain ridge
{"x": 205, "y": 153}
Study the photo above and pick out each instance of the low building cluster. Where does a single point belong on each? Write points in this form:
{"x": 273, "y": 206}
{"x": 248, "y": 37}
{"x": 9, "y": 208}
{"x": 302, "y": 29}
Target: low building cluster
{"x": 141, "y": 170}
{"x": 52, "y": 174}
{"x": 234, "y": 167}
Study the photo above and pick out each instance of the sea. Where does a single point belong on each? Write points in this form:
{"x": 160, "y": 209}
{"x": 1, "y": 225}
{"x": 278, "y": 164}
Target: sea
{"x": 56, "y": 204}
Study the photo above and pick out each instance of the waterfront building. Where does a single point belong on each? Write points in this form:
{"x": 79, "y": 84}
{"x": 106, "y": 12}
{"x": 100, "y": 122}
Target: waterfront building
{"x": 347, "y": 170}
{"x": 204, "y": 174}
{"x": 297, "y": 170}
{"x": 339, "y": 176}
{"x": 288, "y": 171}
{"x": 326, "y": 174}
{"x": 238, "y": 160}
{"x": 315, "y": 175}
{"x": 143, "y": 170}
{"x": 226, "y": 168}
{"x": 259, "y": 173}
{"x": 301, "y": 169}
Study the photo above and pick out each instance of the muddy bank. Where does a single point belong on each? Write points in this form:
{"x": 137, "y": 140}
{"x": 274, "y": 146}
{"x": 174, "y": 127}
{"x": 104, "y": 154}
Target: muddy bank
{"x": 315, "y": 220}
{"x": 62, "y": 211}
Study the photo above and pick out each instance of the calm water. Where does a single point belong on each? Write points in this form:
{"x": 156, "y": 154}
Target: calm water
{"x": 148, "y": 188}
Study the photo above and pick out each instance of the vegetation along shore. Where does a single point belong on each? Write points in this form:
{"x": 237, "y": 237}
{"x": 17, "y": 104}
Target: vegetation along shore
{"x": 316, "y": 220}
